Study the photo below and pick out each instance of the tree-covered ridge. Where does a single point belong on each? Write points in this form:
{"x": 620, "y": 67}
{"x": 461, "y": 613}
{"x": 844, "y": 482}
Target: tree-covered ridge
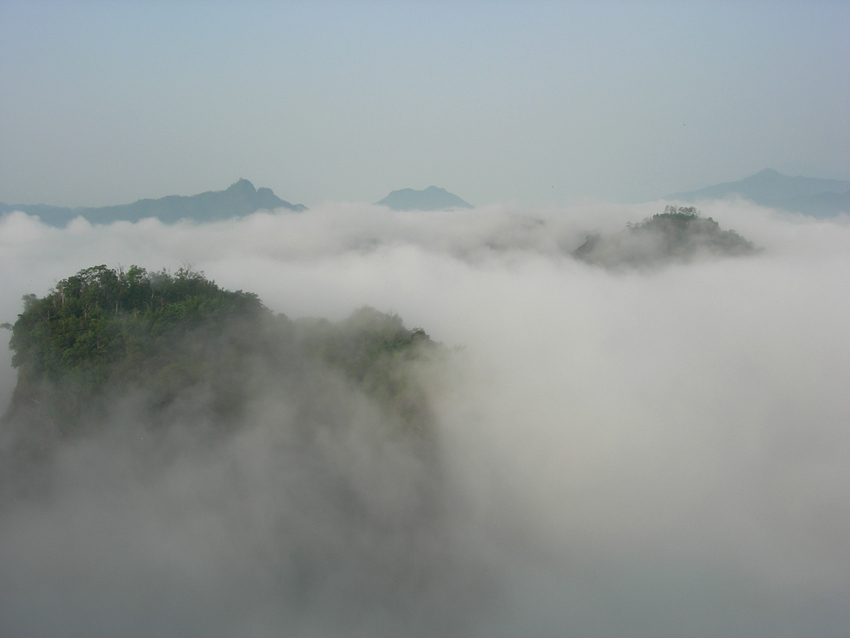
{"x": 100, "y": 316}
{"x": 367, "y": 336}
{"x": 677, "y": 234}
{"x": 374, "y": 350}
{"x": 104, "y": 332}
{"x": 671, "y": 214}
{"x": 685, "y": 231}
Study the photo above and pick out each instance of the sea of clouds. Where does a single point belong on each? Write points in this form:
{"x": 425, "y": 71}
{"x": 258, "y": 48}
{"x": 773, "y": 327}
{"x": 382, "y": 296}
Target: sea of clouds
{"x": 636, "y": 453}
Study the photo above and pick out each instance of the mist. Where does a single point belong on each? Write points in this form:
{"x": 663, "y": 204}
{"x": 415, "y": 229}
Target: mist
{"x": 621, "y": 453}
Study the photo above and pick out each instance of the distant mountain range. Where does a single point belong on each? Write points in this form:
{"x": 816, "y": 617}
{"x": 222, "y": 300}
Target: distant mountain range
{"x": 240, "y": 199}
{"x": 432, "y": 198}
{"x": 806, "y": 195}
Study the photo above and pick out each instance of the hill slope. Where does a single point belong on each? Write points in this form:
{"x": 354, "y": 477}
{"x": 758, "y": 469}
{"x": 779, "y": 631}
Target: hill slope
{"x": 239, "y": 199}
{"x": 806, "y": 195}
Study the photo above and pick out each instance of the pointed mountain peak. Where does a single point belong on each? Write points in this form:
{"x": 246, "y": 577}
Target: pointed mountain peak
{"x": 243, "y": 186}
{"x": 431, "y": 198}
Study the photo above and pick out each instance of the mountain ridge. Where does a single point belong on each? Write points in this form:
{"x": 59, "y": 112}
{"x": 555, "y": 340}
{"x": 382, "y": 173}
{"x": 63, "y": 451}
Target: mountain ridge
{"x": 240, "y": 198}
{"x": 815, "y": 197}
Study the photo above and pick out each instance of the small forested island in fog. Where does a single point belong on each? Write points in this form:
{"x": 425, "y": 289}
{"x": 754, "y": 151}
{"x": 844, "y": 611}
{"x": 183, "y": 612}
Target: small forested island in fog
{"x": 239, "y": 199}
{"x": 431, "y": 198}
{"x": 178, "y": 348}
{"x": 676, "y": 235}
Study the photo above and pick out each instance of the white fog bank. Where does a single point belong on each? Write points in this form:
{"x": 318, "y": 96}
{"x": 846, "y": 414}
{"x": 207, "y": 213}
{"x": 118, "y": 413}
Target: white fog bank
{"x": 659, "y": 453}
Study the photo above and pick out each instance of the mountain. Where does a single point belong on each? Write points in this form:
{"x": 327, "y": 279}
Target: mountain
{"x": 677, "y": 235}
{"x": 806, "y": 195}
{"x": 432, "y": 198}
{"x": 240, "y": 199}
{"x": 106, "y": 333}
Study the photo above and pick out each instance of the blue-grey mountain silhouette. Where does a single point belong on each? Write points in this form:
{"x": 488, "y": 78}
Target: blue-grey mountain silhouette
{"x": 806, "y": 195}
{"x": 432, "y": 198}
{"x": 238, "y": 200}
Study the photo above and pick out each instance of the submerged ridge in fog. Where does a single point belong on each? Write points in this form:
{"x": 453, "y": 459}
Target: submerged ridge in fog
{"x": 325, "y": 425}
{"x": 239, "y": 199}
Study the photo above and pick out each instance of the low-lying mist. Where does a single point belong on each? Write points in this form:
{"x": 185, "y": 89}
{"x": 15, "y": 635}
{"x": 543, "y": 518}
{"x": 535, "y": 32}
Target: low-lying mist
{"x": 628, "y": 453}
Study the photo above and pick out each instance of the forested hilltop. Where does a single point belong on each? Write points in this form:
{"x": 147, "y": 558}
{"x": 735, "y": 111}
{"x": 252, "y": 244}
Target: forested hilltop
{"x": 676, "y": 235}
{"x": 294, "y": 462}
{"x": 178, "y": 343}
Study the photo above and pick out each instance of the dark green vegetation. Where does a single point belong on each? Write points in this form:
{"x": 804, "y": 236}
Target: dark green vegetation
{"x": 268, "y": 463}
{"x": 168, "y": 340}
{"x": 240, "y": 199}
{"x": 432, "y": 198}
{"x": 806, "y": 195}
{"x": 676, "y": 235}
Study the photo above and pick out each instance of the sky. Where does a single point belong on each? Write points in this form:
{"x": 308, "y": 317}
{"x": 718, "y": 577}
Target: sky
{"x": 538, "y": 103}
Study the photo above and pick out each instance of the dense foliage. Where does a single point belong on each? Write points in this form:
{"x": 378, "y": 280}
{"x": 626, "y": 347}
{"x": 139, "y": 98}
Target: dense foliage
{"x": 677, "y": 234}
{"x": 196, "y": 414}
{"x": 104, "y": 333}
{"x": 100, "y": 317}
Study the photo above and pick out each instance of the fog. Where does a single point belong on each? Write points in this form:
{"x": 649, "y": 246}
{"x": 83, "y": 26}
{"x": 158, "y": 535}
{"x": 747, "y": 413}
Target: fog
{"x": 625, "y": 453}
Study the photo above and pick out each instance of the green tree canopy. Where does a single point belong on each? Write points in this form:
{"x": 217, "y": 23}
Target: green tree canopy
{"x": 104, "y": 332}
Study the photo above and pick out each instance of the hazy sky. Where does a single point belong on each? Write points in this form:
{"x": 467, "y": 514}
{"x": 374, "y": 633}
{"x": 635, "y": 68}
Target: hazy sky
{"x": 536, "y": 102}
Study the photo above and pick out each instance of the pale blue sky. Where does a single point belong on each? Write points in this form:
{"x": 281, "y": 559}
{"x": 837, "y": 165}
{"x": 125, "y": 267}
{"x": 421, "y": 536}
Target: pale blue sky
{"x": 538, "y": 102}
